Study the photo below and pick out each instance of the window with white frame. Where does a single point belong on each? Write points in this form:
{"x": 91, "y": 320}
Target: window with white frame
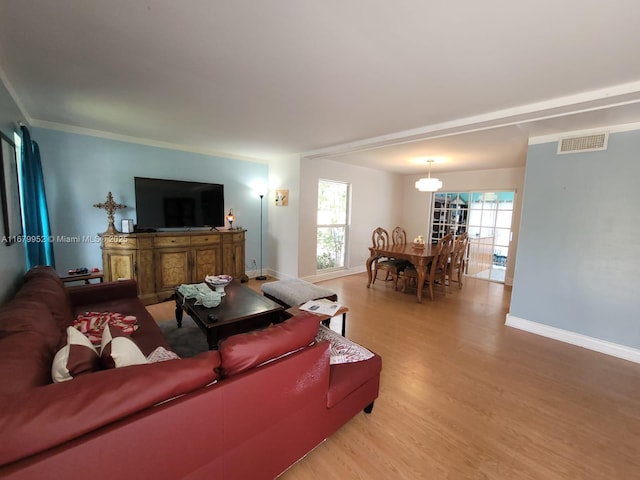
{"x": 332, "y": 224}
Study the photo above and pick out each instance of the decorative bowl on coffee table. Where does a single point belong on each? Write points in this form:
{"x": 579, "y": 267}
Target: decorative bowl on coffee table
{"x": 218, "y": 282}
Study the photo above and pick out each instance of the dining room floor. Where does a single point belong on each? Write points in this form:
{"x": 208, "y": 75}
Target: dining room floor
{"x": 494, "y": 274}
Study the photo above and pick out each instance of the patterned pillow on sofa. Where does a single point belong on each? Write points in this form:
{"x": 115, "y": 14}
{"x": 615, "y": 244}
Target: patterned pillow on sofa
{"x": 92, "y": 324}
{"x": 77, "y": 357}
{"x": 118, "y": 350}
{"x": 342, "y": 349}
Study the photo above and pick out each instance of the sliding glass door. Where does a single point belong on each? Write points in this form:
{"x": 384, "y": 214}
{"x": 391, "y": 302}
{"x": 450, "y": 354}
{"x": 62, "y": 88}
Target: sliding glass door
{"x": 487, "y": 218}
{"x": 490, "y": 216}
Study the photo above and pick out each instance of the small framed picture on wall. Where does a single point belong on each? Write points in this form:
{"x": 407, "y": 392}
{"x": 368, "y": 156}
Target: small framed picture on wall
{"x": 282, "y": 197}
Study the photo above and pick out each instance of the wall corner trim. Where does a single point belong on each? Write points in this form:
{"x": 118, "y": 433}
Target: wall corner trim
{"x": 590, "y": 343}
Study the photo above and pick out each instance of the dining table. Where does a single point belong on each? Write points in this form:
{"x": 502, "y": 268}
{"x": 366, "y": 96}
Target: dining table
{"x": 420, "y": 257}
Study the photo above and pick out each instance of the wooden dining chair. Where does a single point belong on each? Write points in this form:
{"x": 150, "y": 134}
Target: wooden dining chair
{"x": 392, "y": 266}
{"x": 437, "y": 269}
{"x": 458, "y": 260}
{"x": 398, "y": 236}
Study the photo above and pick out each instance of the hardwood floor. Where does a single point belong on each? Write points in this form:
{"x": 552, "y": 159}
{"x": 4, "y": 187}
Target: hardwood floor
{"x": 463, "y": 396}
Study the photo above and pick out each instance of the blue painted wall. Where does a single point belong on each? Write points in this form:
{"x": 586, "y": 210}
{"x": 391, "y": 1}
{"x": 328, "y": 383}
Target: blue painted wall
{"x": 577, "y": 264}
{"x": 79, "y": 170}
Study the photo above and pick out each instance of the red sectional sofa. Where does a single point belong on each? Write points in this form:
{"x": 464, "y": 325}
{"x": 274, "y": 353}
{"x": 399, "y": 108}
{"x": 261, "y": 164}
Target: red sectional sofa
{"x": 247, "y": 411}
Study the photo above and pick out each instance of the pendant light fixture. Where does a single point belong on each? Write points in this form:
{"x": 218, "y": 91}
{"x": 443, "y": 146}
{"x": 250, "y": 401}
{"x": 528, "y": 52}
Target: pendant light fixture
{"x": 429, "y": 184}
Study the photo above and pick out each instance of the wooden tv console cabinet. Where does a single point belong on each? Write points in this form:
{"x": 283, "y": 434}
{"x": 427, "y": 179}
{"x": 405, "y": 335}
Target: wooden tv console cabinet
{"x": 160, "y": 261}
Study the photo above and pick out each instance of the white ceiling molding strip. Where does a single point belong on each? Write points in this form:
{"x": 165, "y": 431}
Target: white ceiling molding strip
{"x": 619, "y": 95}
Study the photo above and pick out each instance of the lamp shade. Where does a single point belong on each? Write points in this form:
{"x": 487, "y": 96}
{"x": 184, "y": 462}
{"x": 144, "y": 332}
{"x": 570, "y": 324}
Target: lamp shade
{"x": 429, "y": 184}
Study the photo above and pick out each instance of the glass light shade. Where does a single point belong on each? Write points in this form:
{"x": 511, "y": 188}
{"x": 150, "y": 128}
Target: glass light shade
{"x": 429, "y": 184}
{"x": 231, "y": 218}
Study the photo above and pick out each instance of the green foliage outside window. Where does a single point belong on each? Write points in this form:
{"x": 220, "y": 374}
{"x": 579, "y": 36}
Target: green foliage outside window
{"x": 332, "y": 224}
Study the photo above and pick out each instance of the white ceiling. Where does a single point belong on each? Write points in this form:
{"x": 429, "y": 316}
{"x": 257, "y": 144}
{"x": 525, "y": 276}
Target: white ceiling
{"x": 369, "y": 82}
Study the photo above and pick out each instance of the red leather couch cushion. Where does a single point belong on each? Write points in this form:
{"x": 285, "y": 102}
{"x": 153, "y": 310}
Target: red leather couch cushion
{"x": 29, "y": 315}
{"x": 40, "y": 418}
{"x": 28, "y": 339}
{"x": 95, "y": 293}
{"x": 247, "y": 350}
{"x": 43, "y": 284}
{"x": 25, "y": 362}
{"x": 347, "y": 377}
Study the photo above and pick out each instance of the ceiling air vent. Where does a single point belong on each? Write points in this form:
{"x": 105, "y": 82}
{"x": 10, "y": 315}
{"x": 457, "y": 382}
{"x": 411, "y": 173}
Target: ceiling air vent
{"x": 586, "y": 143}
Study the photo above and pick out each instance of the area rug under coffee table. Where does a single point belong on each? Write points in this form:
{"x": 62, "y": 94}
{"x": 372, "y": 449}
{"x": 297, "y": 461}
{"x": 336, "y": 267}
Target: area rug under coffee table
{"x": 187, "y": 340}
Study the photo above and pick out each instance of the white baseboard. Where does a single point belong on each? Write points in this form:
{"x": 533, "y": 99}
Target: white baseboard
{"x": 591, "y": 343}
{"x": 343, "y": 272}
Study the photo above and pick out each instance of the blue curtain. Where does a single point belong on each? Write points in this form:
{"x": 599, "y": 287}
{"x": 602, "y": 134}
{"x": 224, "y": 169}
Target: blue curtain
{"x": 37, "y": 229}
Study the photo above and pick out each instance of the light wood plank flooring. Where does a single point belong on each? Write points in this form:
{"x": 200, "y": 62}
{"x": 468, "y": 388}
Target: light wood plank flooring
{"x": 464, "y": 397}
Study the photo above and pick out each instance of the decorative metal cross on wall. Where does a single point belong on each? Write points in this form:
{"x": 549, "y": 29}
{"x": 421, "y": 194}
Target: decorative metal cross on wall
{"x": 110, "y": 206}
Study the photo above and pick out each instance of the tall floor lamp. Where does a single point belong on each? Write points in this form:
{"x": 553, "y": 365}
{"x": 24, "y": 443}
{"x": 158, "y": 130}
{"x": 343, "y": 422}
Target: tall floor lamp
{"x": 262, "y": 192}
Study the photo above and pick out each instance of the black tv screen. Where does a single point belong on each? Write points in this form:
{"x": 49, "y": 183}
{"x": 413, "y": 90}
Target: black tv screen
{"x": 178, "y": 204}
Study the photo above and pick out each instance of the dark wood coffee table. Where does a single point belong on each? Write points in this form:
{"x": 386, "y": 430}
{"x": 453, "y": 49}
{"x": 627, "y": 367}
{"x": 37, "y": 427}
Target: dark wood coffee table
{"x": 241, "y": 310}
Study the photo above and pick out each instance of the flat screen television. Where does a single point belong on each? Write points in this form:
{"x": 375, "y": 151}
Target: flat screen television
{"x": 176, "y": 204}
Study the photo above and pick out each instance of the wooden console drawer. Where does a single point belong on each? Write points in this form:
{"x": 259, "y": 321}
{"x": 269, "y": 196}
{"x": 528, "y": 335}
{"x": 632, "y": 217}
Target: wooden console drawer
{"x": 233, "y": 238}
{"x": 182, "y": 241}
{"x": 205, "y": 239}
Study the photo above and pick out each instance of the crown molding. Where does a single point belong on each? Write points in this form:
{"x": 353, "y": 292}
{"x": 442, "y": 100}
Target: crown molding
{"x": 140, "y": 141}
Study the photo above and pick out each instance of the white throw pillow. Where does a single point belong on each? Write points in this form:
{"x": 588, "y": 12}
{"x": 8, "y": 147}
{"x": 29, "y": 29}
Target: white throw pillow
{"x": 77, "y": 357}
{"x": 118, "y": 350}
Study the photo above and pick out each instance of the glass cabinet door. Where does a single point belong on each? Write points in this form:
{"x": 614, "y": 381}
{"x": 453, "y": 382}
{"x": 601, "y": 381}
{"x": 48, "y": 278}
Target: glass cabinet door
{"x": 450, "y": 212}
